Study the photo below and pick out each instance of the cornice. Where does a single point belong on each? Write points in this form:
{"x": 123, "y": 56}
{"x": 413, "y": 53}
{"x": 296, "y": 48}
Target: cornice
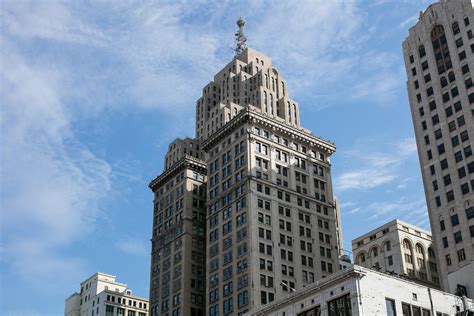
{"x": 187, "y": 162}
{"x": 261, "y": 119}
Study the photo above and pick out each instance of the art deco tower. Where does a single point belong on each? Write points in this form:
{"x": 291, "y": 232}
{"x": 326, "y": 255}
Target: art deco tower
{"x": 270, "y": 212}
{"x": 439, "y": 60}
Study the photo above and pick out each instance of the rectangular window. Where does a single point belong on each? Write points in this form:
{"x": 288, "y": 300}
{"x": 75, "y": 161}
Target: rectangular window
{"x": 390, "y": 305}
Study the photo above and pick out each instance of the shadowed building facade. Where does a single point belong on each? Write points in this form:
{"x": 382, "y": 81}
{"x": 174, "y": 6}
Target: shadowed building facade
{"x": 439, "y": 60}
{"x": 177, "y": 276}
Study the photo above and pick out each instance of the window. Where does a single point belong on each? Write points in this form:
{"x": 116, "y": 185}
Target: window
{"x": 340, "y": 306}
{"x": 464, "y": 188}
{"x": 444, "y": 164}
{"x": 421, "y": 51}
{"x": 457, "y": 237}
{"x": 455, "y": 27}
{"x": 441, "y": 149}
{"x": 445, "y": 97}
{"x": 424, "y": 65}
{"x": 461, "y": 255}
{"x": 445, "y": 242}
{"x": 447, "y": 180}
{"x": 450, "y": 196}
{"x": 470, "y": 212}
{"x": 440, "y": 49}
{"x": 443, "y": 82}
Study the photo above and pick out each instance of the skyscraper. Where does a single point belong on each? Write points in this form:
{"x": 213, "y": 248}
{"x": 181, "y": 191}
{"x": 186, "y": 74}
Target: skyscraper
{"x": 177, "y": 273}
{"x": 439, "y": 60}
{"x": 270, "y": 212}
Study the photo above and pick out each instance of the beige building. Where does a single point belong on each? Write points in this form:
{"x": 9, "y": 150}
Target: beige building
{"x": 360, "y": 291}
{"x": 270, "y": 221}
{"x": 399, "y": 248}
{"x": 177, "y": 276}
{"x": 101, "y": 295}
{"x": 180, "y": 148}
{"x": 439, "y": 60}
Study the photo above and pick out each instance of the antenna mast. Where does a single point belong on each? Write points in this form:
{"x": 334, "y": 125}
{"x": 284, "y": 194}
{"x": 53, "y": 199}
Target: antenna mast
{"x": 240, "y": 38}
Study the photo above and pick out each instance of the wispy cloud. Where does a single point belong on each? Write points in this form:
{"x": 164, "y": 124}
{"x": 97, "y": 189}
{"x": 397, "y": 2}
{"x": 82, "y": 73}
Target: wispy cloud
{"x": 51, "y": 182}
{"x": 377, "y": 168}
{"x": 133, "y": 246}
{"x": 408, "y": 22}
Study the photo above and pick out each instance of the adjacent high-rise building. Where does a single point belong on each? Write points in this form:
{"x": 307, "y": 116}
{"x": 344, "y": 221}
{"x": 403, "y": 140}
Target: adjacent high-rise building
{"x": 102, "y": 295}
{"x": 177, "y": 276}
{"x": 439, "y": 60}
{"x": 270, "y": 218}
{"x": 399, "y": 248}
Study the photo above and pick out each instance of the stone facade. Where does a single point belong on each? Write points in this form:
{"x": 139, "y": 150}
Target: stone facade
{"x": 399, "y": 248}
{"x": 271, "y": 224}
{"x": 439, "y": 60}
{"x": 359, "y": 291}
{"x": 177, "y": 276}
{"x": 271, "y": 219}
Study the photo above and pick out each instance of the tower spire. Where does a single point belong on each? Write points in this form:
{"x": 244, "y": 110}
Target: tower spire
{"x": 240, "y": 38}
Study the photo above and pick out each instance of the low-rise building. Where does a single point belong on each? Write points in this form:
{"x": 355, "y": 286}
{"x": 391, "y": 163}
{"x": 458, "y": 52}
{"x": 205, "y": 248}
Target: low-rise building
{"x": 360, "y": 291}
{"x": 101, "y": 295}
{"x": 399, "y": 248}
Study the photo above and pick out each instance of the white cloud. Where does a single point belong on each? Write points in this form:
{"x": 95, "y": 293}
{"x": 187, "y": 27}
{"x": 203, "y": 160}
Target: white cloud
{"x": 364, "y": 179}
{"x": 51, "y": 183}
{"x": 413, "y": 211}
{"x": 409, "y": 22}
{"x": 377, "y": 168}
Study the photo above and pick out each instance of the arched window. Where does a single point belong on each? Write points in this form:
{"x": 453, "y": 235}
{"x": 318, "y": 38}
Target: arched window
{"x": 443, "y": 82}
{"x": 406, "y": 244}
{"x": 375, "y": 252}
{"x": 361, "y": 257}
{"x": 271, "y": 103}
{"x": 266, "y": 81}
{"x": 294, "y": 113}
{"x": 289, "y": 112}
{"x": 440, "y": 49}
{"x": 419, "y": 249}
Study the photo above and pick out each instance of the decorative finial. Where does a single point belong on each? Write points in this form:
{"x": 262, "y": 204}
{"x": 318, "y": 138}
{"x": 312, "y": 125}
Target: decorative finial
{"x": 240, "y": 38}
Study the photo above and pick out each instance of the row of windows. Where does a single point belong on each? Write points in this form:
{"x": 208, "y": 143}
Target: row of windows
{"x": 228, "y": 304}
{"x": 283, "y": 141}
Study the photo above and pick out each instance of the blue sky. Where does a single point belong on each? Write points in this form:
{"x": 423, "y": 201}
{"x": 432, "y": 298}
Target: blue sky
{"x": 92, "y": 93}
